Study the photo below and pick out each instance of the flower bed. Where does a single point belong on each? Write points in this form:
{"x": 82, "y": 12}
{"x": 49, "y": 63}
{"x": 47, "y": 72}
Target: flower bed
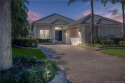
{"x": 29, "y": 70}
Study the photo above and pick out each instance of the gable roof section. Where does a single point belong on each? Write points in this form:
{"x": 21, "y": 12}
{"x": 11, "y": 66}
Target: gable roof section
{"x": 54, "y": 19}
{"x": 97, "y": 20}
{"x": 80, "y": 21}
{"x": 107, "y": 21}
{"x": 59, "y": 22}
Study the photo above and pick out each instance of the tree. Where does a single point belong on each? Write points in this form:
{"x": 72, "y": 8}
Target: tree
{"x": 123, "y": 12}
{"x": 5, "y": 35}
{"x": 92, "y": 17}
{"x": 20, "y": 24}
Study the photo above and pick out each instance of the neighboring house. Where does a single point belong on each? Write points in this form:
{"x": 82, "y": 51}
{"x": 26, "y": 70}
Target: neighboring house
{"x": 60, "y": 29}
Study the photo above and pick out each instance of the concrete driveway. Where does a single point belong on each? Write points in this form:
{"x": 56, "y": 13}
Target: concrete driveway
{"x": 85, "y": 66}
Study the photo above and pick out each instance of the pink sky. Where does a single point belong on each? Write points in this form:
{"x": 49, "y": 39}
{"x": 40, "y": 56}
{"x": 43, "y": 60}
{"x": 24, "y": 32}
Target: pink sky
{"x": 33, "y": 16}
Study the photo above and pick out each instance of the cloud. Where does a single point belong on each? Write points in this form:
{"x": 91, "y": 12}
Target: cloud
{"x": 117, "y": 17}
{"x": 85, "y": 13}
{"x": 33, "y": 16}
{"x": 115, "y": 12}
{"x": 110, "y": 12}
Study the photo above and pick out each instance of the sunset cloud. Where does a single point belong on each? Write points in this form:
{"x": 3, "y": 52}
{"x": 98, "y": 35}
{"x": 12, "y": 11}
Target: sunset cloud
{"x": 110, "y": 12}
{"x": 115, "y": 12}
{"x": 33, "y": 16}
{"x": 85, "y": 13}
{"x": 117, "y": 17}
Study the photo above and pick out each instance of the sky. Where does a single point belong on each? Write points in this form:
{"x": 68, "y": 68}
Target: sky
{"x": 42, "y": 8}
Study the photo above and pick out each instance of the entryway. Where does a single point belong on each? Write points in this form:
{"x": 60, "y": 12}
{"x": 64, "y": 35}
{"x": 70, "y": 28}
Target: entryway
{"x": 58, "y": 36}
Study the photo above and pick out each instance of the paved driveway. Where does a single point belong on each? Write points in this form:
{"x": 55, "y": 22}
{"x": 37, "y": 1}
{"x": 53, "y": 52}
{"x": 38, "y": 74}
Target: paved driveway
{"x": 85, "y": 66}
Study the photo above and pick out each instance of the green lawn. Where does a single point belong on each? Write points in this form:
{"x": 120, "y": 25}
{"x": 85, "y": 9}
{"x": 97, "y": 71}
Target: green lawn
{"x": 114, "y": 52}
{"x": 27, "y": 52}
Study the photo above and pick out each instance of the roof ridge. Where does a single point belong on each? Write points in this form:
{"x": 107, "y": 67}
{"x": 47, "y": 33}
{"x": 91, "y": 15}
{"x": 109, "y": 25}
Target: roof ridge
{"x": 52, "y": 15}
{"x": 108, "y": 18}
{"x": 100, "y": 16}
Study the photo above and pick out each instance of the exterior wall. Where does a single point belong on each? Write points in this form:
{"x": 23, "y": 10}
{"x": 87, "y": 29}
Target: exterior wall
{"x": 51, "y": 28}
{"x": 79, "y": 34}
{"x": 37, "y": 28}
{"x": 87, "y": 33}
{"x": 103, "y": 30}
{"x": 82, "y": 31}
{"x": 64, "y": 36}
{"x": 110, "y": 30}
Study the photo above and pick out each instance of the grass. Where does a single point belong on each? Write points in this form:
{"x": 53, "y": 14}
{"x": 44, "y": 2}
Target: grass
{"x": 28, "y": 52}
{"x": 102, "y": 46}
{"x": 115, "y": 52}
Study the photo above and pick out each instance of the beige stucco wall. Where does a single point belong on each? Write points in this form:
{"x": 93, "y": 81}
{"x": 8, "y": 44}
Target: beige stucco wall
{"x": 51, "y": 28}
{"x": 103, "y": 30}
{"x": 78, "y": 34}
{"x": 106, "y": 30}
{"x": 37, "y": 28}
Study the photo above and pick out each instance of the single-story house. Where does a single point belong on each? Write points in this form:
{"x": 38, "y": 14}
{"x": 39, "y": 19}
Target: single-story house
{"x": 61, "y": 29}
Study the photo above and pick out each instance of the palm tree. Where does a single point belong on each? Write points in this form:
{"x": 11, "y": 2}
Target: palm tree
{"x": 123, "y": 12}
{"x": 92, "y": 17}
{"x": 5, "y": 34}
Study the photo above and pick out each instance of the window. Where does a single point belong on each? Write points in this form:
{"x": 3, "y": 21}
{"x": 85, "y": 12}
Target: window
{"x": 44, "y": 34}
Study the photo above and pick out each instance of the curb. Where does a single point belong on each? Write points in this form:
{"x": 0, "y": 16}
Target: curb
{"x": 61, "y": 76}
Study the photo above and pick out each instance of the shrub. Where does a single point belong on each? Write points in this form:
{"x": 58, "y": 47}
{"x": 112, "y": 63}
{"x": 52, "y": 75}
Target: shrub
{"x": 44, "y": 40}
{"x": 33, "y": 75}
{"x": 30, "y": 73}
{"x": 27, "y": 59}
{"x": 8, "y": 78}
{"x": 103, "y": 42}
{"x": 122, "y": 42}
{"x": 50, "y": 69}
{"x": 117, "y": 40}
{"x": 25, "y": 42}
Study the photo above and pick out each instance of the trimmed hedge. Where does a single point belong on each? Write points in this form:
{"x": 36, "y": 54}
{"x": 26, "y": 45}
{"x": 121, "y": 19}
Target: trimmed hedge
{"x": 25, "y": 42}
{"x": 44, "y": 40}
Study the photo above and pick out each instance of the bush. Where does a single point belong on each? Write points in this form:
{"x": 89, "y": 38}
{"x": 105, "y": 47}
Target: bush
{"x": 8, "y": 78}
{"x": 25, "y": 42}
{"x": 117, "y": 40}
{"x": 50, "y": 68}
{"x": 44, "y": 40}
{"x": 122, "y": 42}
{"x": 27, "y": 59}
{"x": 30, "y": 73}
{"x": 33, "y": 75}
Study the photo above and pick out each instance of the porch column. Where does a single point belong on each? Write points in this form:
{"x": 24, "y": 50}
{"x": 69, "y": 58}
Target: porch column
{"x": 66, "y": 36}
{"x": 54, "y": 35}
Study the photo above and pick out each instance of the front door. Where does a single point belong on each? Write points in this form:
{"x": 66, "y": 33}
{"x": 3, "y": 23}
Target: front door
{"x": 58, "y": 35}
